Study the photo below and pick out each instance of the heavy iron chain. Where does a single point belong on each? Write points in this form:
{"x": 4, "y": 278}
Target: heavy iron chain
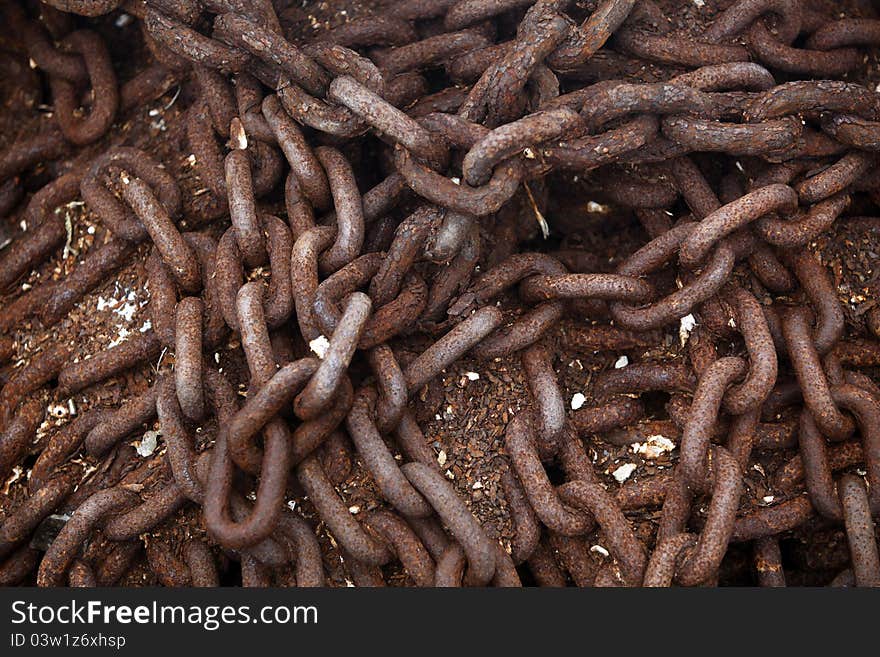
{"x": 468, "y": 108}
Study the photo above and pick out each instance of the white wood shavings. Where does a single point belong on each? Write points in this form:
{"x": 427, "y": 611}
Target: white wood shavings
{"x": 577, "y": 400}
{"x": 68, "y": 230}
{"x": 688, "y": 323}
{"x": 319, "y": 346}
{"x": 654, "y": 447}
{"x": 58, "y": 410}
{"x": 598, "y": 549}
{"x": 539, "y": 216}
{"x": 17, "y": 473}
{"x": 237, "y": 136}
{"x": 147, "y": 445}
{"x": 120, "y": 338}
{"x": 623, "y": 473}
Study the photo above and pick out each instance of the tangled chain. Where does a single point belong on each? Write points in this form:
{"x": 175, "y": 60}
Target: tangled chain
{"x": 463, "y": 120}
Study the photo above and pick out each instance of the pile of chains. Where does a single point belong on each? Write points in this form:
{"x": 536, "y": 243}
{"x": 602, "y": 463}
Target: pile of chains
{"x": 373, "y": 198}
